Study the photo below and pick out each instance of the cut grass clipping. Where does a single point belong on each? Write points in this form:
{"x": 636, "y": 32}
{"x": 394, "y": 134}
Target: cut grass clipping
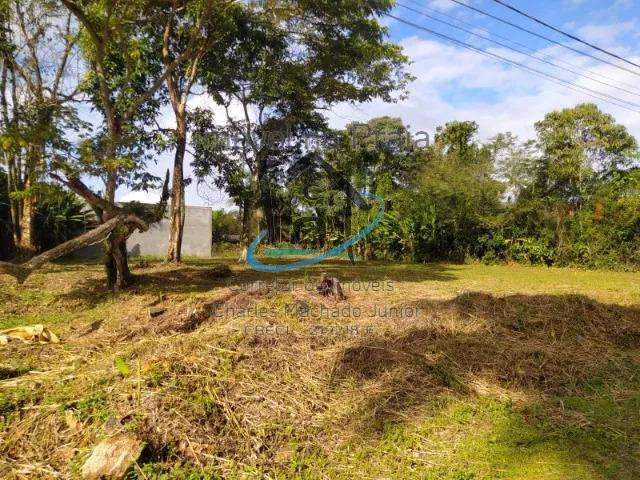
{"x": 506, "y": 373}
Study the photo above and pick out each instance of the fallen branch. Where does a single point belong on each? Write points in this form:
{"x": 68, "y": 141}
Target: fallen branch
{"x": 78, "y": 187}
{"x": 21, "y": 272}
{"x": 119, "y": 223}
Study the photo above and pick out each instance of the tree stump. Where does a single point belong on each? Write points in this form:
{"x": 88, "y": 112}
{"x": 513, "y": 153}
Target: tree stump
{"x": 330, "y": 287}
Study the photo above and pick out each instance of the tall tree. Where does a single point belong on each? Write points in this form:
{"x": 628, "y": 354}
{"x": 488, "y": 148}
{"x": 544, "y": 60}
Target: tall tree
{"x": 579, "y": 147}
{"x": 377, "y": 156}
{"x": 123, "y": 82}
{"x": 296, "y": 59}
{"x": 457, "y": 196}
{"x": 200, "y": 25}
{"x": 38, "y": 43}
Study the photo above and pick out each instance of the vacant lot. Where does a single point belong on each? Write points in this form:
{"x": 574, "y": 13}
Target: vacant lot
{"x": 430, "y": 371}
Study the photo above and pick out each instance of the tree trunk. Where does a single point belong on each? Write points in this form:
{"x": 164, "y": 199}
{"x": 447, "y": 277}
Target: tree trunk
{"x": 23, "y": 208}
{"x": 26, "y": 226}
{"x": 245, "y": 235}
{"x": 560, "y": 217}
{"x": 267, "y": 207}
{"x": 116, "y": 266}
{"x": 118, "y": 274}
{"x": 112, "y": 228}
{"x": 14, "y": 205}
{"x": 249, "y": 217}
{"x": 262, "y": 195}
{"x": 174, "y": 253}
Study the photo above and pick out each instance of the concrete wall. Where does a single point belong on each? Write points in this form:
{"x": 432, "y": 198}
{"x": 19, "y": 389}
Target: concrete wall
{"x": 195, "y": 243}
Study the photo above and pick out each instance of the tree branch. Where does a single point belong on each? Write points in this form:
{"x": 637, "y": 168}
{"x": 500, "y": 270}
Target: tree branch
{"x": 69, "y": 43}
{"x": 77, "y": 186}
{"x": 22, "y": 272}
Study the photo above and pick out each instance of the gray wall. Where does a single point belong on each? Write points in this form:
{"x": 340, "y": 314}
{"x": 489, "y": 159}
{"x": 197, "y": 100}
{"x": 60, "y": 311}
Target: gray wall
{"x": 195, "y": 243}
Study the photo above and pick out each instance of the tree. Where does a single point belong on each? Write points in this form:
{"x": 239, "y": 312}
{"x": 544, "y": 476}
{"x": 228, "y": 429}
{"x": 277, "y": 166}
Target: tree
{"x": 6, "y": 240}
{"x": 580, "y": 147}
{"x": 199, "y": 25}
{"x": 226, "y": 226}
{"x": 295, "y": 59}
{"x": 514, "y": 162}
{"x": 38, "y": 41}
{"x": 457, "y": 197}
{"x": 123, "y": 82}
{"x": 377, "y": 156}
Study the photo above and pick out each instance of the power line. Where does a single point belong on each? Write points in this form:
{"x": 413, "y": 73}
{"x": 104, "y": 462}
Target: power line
{"x": 523, "y": 53}
{"x": 572, "y": 37}
{"x": 543, "y": 37}
{"x": 522, "y": 45}
{"x": 553, "y": 78}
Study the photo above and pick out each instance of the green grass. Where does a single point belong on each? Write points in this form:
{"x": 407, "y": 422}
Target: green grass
{"x": 514, "y": 373}
{"x": 489, "y": 439}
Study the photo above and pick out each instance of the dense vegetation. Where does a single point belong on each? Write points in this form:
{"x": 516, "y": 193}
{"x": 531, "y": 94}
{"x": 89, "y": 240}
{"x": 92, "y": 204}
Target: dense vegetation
{"x": 270, "y": 70}
{"x": 569, "y": 197}
{"x": 59, "y": 216}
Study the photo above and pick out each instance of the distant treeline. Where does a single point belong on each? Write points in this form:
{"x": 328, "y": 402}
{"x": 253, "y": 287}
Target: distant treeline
{"x": 569, "y": 197}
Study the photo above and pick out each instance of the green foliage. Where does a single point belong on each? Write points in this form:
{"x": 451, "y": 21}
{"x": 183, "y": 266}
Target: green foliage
{"x": 572, "y": 198}
{"x": 291, "y": 60}
{"x": 569, "y": 197}
{"x": 225, "y": 224}
{"x": 60, "y": 216}
{"x": 535, "y": 251}
{"x": 576, "y": 203}
{"x": 456, "y": 200}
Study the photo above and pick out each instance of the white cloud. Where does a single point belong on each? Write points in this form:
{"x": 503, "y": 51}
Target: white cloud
{"x": 443, "y": 5}
{"x": 456, "y": 84}
{"x": 606, "y": 34}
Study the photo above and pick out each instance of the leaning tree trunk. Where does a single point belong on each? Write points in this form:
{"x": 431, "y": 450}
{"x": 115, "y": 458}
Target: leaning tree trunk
{"x": 121, "y": 222}
{"x": 117, "y": 225}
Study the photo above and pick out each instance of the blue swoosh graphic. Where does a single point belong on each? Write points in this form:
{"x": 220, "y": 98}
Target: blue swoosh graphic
{"x": 262, "y": 267}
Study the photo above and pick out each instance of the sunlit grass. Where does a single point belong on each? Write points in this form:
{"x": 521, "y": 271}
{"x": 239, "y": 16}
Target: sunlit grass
{"x": 432, "y": 399}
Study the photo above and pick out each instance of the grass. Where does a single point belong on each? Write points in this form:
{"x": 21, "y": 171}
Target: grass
{"x": 509, "y": 372}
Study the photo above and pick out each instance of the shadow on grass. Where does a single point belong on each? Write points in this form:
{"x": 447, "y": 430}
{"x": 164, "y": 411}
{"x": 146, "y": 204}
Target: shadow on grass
{"x": 574, "y": 359}
{"x": 196, "y": 277}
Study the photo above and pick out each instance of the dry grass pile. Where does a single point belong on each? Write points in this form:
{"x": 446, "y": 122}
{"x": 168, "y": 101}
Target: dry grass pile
{"x": 201, "y": 386}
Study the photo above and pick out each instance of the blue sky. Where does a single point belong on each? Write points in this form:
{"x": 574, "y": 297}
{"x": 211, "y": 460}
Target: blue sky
{"x": 456, "y": 84}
